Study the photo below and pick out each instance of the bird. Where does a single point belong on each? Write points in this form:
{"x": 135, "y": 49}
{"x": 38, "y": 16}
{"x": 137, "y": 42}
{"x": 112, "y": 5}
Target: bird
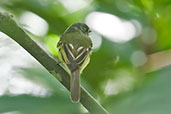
{"x": 74, "y": 50}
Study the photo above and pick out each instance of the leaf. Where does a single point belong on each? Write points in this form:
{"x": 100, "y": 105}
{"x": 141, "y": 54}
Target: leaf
{"x": 153, "y": 97}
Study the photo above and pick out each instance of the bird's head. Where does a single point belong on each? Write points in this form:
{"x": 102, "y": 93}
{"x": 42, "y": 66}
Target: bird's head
{"x": 79, "y": 27}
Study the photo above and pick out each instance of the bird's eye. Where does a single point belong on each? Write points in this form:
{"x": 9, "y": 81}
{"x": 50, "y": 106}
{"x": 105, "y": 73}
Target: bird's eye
{"x": 85, "y": 29}
{"x": 89, "y": 31}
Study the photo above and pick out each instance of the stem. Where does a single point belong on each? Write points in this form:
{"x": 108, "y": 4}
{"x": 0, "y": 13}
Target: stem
{"x": 157, "y": 60}
{"x": 9, "y": 27}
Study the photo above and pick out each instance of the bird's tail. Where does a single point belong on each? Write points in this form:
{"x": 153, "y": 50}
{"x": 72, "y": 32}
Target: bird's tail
{"x": 75, "y": 86}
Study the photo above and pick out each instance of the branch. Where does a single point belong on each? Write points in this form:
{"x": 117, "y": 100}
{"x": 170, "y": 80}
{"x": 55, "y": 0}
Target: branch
{"x": 157, "y": 60}
{"x": 9, "y": 27}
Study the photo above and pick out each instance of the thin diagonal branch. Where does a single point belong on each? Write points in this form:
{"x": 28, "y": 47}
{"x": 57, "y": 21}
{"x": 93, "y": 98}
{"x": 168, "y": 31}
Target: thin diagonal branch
{"x": 9, "y": 27}
{"x": 157, "y": 60}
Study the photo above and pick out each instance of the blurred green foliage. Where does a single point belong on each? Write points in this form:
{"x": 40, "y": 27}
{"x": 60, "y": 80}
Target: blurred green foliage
{"x": 51, "y": 44}
{"x": 152, "y": 97}
{"x": 146, "y": 94}
{"x": 58, "y": 103}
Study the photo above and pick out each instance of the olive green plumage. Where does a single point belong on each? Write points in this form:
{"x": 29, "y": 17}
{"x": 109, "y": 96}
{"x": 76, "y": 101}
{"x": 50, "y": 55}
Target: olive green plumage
{"x": 74, "y": 51}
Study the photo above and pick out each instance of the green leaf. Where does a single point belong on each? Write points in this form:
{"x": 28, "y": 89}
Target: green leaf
{"x": 51, "y": 43}
{"x": 152, "y": 97}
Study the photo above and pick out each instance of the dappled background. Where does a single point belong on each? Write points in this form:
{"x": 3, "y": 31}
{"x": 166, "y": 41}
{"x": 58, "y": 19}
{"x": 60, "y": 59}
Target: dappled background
{"x": 129, "y": 71}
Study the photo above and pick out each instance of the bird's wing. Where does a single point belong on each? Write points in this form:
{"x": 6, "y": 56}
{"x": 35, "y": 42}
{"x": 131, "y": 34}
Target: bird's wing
{"x": 73, "y": 57}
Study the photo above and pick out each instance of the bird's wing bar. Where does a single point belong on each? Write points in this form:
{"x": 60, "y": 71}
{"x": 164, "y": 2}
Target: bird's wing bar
{"x": 72, "y": 56}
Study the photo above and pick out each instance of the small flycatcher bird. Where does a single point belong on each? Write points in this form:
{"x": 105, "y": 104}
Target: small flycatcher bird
{"x": 74, "y": 51}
